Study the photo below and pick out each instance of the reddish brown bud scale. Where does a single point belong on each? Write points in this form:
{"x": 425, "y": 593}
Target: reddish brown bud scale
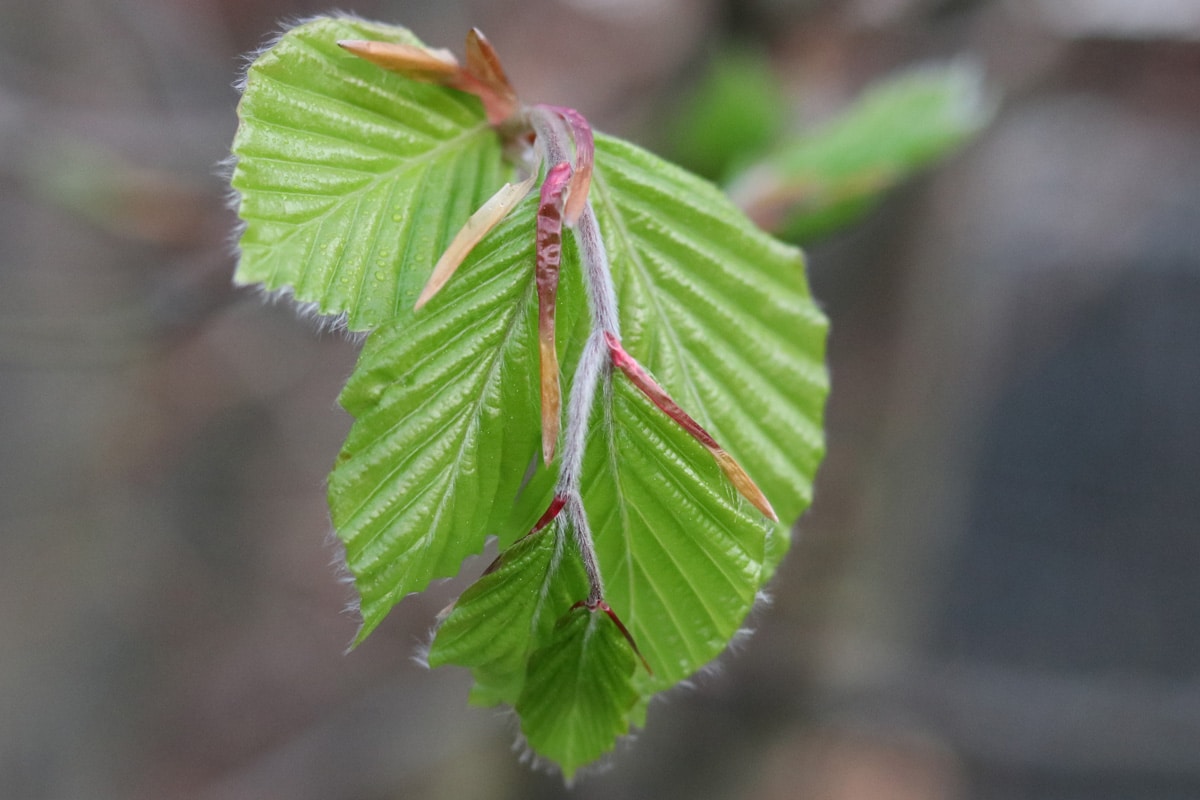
{"x": 483, "y": 76}
{"x": 728, "y": 464}
{"x": 607, "y": 609}
{"x": 483, "y": 64}
{"x": 556, "y": 506}
{"x": 649, "y": 387}
{"x": 548, "y": 259}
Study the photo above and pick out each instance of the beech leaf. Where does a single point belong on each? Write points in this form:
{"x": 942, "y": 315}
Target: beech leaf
{"x": 337, "y": 161}
{"x": 637, "y": 539}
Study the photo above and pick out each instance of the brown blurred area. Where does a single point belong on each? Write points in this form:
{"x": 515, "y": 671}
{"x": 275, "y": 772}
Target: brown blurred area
{"x": 995, "y": 594}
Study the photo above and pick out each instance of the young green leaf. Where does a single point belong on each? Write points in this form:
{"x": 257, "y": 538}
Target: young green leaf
{"x": 446, "y": 423}
{"x": 720, "y": 314}
{"x": 578, "y": 694}
{"x": 351, "y": 179}
{"x": 682, "y": 554}
{"x": 510, "y": 611}
{"x": 822, "y": 180}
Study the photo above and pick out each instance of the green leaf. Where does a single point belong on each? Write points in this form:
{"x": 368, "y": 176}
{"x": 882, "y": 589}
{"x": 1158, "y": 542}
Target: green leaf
{"x": 819, "y": 181}
{"x": 510, "y": 611}
{"x": 682, "y": 554}
{"x": 353, "y": 180}
{"x": 439, "y": 440}
{"x": 579, "y": 693}
{"x": 720, "y": 313}
{"x": 730, "y": 117}
{"x": 446, "y": 408}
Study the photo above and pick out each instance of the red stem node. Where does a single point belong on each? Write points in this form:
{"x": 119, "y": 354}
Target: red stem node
{"x": 600, "y": 605}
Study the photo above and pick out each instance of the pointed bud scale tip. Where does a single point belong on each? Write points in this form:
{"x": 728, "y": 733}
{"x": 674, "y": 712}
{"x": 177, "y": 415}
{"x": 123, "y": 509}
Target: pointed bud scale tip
{"x": 742, "y": 482}
{"x": 480, "y": 223}
{"x": 484, "y": 69}
{"x": 483, "y": 76}
{"x": 607, "y": 609}
{"x": 484, "y": 63}
{"x": 737, "y": 476}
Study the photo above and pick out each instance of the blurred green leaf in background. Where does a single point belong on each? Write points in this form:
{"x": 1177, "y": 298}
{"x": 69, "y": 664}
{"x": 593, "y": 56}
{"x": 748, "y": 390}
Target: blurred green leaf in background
{"x": 818, "y": 181}
{"x": 730, "y": 118}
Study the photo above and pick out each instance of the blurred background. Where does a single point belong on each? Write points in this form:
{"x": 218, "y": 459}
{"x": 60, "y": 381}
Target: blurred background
{"x": 995, "y": 594}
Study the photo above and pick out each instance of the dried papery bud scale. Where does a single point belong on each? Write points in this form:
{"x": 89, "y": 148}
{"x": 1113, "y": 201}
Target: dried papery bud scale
{"x": 428, "y": 64}
{"x": 477, "y": 226}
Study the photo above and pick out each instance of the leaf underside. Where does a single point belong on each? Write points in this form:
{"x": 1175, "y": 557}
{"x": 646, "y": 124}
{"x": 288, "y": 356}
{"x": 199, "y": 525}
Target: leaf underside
{"x": 446, "y": 405}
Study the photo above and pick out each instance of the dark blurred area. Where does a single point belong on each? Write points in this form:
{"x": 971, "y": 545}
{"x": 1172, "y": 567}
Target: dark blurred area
{"x": 995, "y": 595}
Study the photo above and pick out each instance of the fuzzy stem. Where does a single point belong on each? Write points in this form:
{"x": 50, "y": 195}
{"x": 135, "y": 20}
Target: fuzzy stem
{"x": 602, "y": 294}
{"x": 551, "y": 134}
{"x": 593, "y": 364}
